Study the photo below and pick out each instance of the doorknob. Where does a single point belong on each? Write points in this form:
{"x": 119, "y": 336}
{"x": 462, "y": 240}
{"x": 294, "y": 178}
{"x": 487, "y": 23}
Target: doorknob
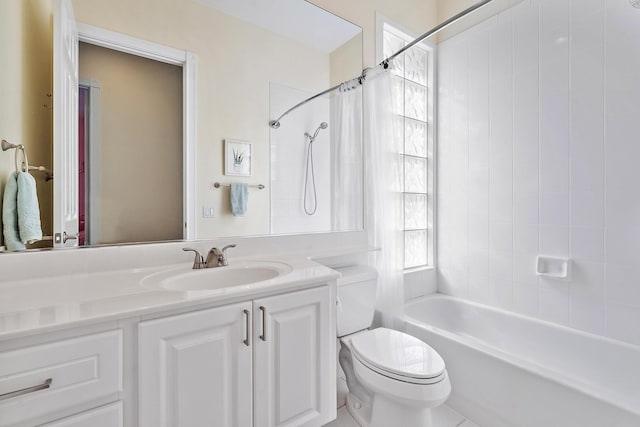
{"x": 63, "y": 237}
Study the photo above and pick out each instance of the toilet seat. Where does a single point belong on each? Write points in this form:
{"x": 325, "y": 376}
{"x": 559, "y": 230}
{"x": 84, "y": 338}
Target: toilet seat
{"x": 399, "y": 356}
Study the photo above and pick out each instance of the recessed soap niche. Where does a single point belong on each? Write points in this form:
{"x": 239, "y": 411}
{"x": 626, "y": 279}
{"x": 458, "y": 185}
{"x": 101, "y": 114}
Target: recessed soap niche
{"x": 553, "y": 267}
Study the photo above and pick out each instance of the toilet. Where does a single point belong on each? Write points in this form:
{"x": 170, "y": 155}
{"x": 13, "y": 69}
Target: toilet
{"x": 393, "y": 378}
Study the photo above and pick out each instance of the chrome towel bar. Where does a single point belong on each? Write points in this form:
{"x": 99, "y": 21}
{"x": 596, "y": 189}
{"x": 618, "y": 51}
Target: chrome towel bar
{"x": 258, "y": 186}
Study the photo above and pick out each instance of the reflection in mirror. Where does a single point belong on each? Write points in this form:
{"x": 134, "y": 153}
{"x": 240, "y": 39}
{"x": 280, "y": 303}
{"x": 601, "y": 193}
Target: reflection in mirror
{"x": 252, "y": 62}
{"x": 130, "y": 171}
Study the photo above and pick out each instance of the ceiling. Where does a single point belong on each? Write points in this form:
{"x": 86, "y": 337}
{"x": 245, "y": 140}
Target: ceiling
{"x": 312, "y": 25}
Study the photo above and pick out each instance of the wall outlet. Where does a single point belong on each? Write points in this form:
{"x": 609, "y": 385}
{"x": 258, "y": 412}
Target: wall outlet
{"x": 208, "y": 212}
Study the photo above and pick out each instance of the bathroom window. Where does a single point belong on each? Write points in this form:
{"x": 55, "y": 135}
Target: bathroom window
{"x": 413, "y": 88}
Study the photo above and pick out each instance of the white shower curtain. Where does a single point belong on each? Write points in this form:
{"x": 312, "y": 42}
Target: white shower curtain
{"x": 346, "y": 159}
{"x": 383, "y": 192}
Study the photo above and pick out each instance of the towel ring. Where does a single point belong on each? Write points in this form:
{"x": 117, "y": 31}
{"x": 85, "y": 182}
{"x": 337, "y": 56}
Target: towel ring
{"x": 25, "y": 161}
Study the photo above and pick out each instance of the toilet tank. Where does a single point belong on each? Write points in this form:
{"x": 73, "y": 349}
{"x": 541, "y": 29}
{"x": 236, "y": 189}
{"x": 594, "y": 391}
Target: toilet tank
{"x": 356, "y": 300}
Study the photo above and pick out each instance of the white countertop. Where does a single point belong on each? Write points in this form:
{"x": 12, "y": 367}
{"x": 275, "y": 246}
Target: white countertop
{"x": 40, "y": 305}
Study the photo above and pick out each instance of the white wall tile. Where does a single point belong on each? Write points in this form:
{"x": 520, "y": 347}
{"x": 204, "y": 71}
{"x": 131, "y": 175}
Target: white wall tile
{"x": 552, "y": 152}
{"x": 525, "y": 239}
{"x": 587, "y": 209}
{"x": 622, "y": 109}
{"x": 526, "y": 298}
{"x": 525, "y": 207}
{"x": 587, "y": 244}
{"x": 622, "y": 284}
{"x": 501, "y": 279}
{"x": 554, "y": 300}
{"x": 524, "y": 268}
{"x": 586, "y": 311}
{"x": 554, "y": 95}
{"x": 622, "y": 244}
{"x": 554, "y": 209}
{"x": 621, "y": 322}
{"x": 554, "y": 241}
{"x": 501, "y": 122}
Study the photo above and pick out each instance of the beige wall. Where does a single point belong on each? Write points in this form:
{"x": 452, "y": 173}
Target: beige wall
{"x": 236, "y": 62}
{"x": 26, "y": 79}
{"x": 416, "y": 15}
{"x": 346, "y": 61}
{"x": 448, "y": 8}
{"x": 140, "y": 145}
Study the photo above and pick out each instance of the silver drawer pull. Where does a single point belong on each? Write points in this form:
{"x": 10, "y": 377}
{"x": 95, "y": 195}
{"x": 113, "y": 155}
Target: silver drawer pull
{"x": 247, "y": 341}
{"x": 43, "y": 386}
{"x": 263, "y": 337}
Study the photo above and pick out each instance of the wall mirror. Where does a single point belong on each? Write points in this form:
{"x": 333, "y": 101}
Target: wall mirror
{"x": 162, "y": 89}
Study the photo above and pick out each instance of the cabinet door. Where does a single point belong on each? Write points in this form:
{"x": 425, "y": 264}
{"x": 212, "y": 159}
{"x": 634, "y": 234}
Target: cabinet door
{"x": 195, "y": 369}
{"x": 295, "y": 359}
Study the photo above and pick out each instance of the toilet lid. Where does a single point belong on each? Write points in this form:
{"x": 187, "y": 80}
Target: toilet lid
{"x": 398, "y": 353}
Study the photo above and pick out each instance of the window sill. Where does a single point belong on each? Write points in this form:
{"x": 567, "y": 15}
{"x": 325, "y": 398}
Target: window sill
{"x": 418, "y": 269}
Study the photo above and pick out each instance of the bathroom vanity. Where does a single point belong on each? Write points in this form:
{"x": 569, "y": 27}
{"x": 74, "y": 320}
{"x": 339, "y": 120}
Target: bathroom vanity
{"x": 129, "y": 347}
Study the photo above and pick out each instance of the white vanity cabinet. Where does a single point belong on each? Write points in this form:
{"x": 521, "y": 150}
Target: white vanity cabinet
{"x": 294, "y": 359}
{"x": 42, "y": 383}
{"x": 195, "y": 369}
{"x": 106, "y": 416}
{"x": 266, "y": 362}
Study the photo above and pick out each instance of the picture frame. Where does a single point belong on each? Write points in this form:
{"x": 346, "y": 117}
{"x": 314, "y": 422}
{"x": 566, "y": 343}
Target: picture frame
{"x": 237, "y": 157}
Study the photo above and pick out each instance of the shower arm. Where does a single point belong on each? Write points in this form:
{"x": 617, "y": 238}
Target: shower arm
{"x": 275, "y": 124}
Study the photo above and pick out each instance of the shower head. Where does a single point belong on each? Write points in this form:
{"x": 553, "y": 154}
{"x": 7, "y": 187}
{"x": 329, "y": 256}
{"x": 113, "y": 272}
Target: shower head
{"x": 323, "y": 125}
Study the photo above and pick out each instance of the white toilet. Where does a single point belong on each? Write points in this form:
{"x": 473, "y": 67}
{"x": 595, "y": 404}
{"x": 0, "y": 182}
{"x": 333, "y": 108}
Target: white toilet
{"x": 393, "y": 378}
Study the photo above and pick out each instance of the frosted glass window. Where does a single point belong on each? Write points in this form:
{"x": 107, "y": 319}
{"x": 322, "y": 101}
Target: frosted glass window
{"x": 415, "y": 211}
{"x": 415, "y": 175}
{"x": 391, "y": 44}
{"x": 415, "y": 138}
{"x": 415, "y": 248}
{"x": 413, "y": 98}
{"x": 415, "y": 65}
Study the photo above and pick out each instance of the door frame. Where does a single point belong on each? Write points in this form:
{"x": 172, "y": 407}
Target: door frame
{"x": 92, "y": 161}
{"x": 186, "y": 60}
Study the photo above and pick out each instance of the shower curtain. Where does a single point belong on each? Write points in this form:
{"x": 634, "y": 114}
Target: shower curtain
{"x": 384, "y": 186}
{"x": 346, "y": 159}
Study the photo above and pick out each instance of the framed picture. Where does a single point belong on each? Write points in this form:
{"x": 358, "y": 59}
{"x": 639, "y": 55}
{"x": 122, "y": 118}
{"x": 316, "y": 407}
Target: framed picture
{"x": 237, "y": 157}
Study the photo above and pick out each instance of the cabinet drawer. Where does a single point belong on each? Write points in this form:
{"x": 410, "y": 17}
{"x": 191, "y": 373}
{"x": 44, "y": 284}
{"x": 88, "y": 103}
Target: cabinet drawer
{"x": 105, "y": 416}
{"x": 43, "y": 380}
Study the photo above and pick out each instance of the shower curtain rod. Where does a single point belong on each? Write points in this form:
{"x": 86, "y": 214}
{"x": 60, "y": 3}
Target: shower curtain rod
{"x": 275, "y": 124}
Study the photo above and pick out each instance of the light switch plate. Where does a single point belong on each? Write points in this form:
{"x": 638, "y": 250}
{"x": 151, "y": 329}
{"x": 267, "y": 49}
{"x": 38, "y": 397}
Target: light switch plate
{"x": 208, "y": 212}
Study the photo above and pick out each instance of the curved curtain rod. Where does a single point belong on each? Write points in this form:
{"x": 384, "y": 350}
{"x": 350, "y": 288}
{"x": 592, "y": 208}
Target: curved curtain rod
{"x": 275, "y": 124}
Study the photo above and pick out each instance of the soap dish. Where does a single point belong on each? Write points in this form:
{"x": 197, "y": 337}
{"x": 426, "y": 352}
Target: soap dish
{"x": 553, "y": 267}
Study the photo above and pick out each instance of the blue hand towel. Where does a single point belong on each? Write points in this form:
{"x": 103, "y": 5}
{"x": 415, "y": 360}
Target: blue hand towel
{"x": 239, "y": 195}
{"x": 28, "y": 209}
{"x": 10, "y": 215}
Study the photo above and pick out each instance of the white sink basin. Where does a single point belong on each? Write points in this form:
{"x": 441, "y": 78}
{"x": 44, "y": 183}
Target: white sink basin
{"x": 235, "y": 274}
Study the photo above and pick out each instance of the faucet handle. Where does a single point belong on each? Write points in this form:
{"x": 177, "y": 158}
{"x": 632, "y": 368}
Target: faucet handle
{"x": 221, "y": 255}
{"x": 198, "y": 261}
{"x": 224, "y": 250}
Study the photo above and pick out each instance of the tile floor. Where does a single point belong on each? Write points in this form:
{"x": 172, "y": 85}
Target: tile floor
{"x": 443, "y": 416}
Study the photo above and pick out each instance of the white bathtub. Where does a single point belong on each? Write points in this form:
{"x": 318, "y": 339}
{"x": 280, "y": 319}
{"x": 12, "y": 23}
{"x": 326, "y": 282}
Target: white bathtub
{"x": 511, "y": 370}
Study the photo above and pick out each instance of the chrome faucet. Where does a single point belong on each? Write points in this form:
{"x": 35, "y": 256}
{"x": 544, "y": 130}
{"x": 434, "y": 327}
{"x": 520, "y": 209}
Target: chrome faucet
{"x": 217, "y": 257}
{"x": 198, "y": 261}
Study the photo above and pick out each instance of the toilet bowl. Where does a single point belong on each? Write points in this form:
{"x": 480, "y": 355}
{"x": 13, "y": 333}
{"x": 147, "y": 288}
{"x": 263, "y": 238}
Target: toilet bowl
{"x": 399, "y": 378}
{"x": 393, "y": 378}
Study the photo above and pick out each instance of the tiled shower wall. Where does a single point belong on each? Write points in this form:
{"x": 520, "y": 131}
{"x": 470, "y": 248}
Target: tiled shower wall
{"x": 539, "y": 153}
